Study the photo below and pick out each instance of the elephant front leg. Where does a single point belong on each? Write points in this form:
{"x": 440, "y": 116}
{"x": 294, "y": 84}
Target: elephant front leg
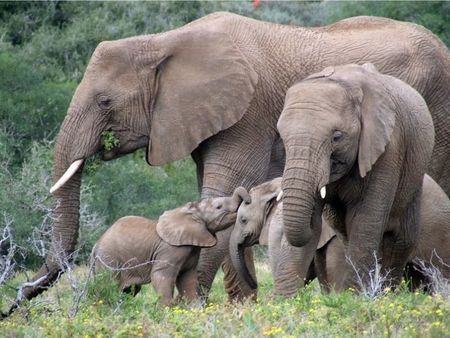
{"x": 230, "y": 159}
{"x": 398, "y": 245}
{"x": 164, "y": 283}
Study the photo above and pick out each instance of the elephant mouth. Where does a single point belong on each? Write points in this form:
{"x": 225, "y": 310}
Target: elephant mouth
{"x": 227, "y": 218}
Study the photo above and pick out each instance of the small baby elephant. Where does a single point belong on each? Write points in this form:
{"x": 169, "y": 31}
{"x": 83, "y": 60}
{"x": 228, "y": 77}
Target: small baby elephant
{"x": 261, "y": 221}
{"x": 165, "y": 252}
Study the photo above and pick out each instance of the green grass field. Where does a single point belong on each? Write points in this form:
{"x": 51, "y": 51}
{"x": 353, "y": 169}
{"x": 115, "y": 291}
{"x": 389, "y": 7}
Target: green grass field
{"x": 103, "y": 312}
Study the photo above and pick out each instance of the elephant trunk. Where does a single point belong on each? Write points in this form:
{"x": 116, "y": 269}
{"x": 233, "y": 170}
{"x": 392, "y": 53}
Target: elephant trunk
{"x": 241, "y": 194}
{"x": 237, "y": 255}
{"x": 66, "y": 212}
{"x": 306, "y": 172}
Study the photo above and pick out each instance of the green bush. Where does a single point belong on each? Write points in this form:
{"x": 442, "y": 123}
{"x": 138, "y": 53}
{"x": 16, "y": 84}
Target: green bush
{"x": 31, "y": 108}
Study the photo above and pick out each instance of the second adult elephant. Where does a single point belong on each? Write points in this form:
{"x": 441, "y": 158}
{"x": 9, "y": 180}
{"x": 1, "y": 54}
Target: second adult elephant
{"x": 323, "y": 257}
{"x": 360, "y": 142}
{"x": 214, "y": 89}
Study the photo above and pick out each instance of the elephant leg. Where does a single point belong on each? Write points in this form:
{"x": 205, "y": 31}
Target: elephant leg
{"x": 321, "y": 269}
{"x": 439, "y": 106}
{"x": 332, "y": 265}
{"x": 187, "y": 285}
{"x": 397, "y": 246}
{"x": 294, "y": 263}
{"x": 227, "y": 163}
{"x": 277, "y": 160}
{"x": 164, "y": 283}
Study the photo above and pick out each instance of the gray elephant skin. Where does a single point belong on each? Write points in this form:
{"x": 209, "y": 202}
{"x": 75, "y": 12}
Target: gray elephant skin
{"x": 363, "y": 140}
{"x": 214, "y": 89}
{"x": 432, "y": 248}
{"x": 324, "y": 256}
{"x": 261, "y": 221}
{"x": 139, "y": 250}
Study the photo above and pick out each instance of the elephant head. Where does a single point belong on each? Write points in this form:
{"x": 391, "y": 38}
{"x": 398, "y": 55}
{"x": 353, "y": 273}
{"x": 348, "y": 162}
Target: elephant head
{"x": 196, "y": 222}
{"x": 167, "y": 92}
{"x": 333, "y": 123}
{"x": 252, "y": 217}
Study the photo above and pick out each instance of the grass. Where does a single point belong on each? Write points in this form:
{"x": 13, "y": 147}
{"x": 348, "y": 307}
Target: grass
{"x": 106, "y": 313}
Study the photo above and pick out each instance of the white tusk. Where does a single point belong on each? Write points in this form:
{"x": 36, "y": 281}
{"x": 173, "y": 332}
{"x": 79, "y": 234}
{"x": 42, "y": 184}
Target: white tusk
{"x": 279, "y": 196}
{"x": 67, "y": 175}
{"x": 323, "y": 192}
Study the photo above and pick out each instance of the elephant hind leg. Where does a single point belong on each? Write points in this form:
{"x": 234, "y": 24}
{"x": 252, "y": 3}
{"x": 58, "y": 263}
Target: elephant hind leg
{"x": 187, "y": 285}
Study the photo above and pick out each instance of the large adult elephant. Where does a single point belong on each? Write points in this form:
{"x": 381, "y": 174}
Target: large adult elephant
{"x": 214, "y": 89}
{"x": 360, "y": 142}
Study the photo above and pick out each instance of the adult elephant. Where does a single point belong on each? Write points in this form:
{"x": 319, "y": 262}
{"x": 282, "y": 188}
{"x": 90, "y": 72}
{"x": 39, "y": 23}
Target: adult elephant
{"x": 214, "y": 89}
{"x": 363, "y": 140}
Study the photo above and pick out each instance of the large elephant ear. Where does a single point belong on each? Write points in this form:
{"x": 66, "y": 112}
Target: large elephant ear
{"x": 377, "y": 119}
{"x": 377, "y": 108}
{"x": 205, "y": 85}
{"x": 181, "y": 227}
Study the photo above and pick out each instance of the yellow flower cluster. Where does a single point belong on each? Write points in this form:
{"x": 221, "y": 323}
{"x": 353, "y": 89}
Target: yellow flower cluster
{"x": 273, "y": 331}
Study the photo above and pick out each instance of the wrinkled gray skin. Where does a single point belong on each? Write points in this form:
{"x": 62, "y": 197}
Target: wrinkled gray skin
{"x": 367, "y": 138}
{"x": 324, "y": 257}
{"x": 214, "y": 89}
{"x": 261, "y": 221}
{"x": 165, "y": 252}
{"x": 432, "y": 247}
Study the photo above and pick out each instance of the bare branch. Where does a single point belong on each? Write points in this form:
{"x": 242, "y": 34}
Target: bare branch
{"x": 374, "y": 282}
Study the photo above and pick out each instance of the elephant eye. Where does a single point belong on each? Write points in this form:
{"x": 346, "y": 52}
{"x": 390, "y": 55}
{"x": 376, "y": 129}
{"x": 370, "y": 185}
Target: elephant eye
{"x": 246, "y": 202}
{"x": 243, "y": 220}
{"x": 337, "y": 136}
{"x": 218, "y": 207}
{"x": 104, "y": 102}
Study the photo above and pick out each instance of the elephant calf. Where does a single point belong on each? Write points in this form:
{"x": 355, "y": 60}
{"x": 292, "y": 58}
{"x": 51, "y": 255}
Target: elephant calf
{"x": 261, "y": 221}
{"x": 165, "y": 252}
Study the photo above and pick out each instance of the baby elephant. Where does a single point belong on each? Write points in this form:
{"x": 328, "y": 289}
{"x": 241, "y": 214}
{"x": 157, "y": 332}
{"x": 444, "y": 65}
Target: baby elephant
{"x": 165, "y": 252}
{"x": 261, "y": 221}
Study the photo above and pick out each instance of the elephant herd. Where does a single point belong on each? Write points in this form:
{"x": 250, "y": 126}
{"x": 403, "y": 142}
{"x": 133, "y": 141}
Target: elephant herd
{"x": 327, "y": 131}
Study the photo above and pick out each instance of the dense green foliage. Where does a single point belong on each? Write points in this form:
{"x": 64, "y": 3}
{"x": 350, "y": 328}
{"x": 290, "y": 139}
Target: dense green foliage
{"x": 44, "y": 49}
{"x": 106, "y": 313}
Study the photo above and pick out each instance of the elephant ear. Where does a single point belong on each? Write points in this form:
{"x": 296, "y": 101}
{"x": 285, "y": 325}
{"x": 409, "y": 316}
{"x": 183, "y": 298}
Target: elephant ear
{"x": 264, "y": 235}
{"x": 377, "y": 108}
{"x": 181, "y": 226}
{"x": 326, "y": 235}
{"x": 377, "y": 120}
{"x": 205, "y": 85}
{"x": 268, "y": 190}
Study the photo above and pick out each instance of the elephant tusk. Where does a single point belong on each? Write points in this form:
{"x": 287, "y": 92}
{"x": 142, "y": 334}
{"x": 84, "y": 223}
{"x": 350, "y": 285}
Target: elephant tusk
{"x": 279, "y": 196}
{"x": 67, "y": 175}
{"x": 323, "y": 192}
